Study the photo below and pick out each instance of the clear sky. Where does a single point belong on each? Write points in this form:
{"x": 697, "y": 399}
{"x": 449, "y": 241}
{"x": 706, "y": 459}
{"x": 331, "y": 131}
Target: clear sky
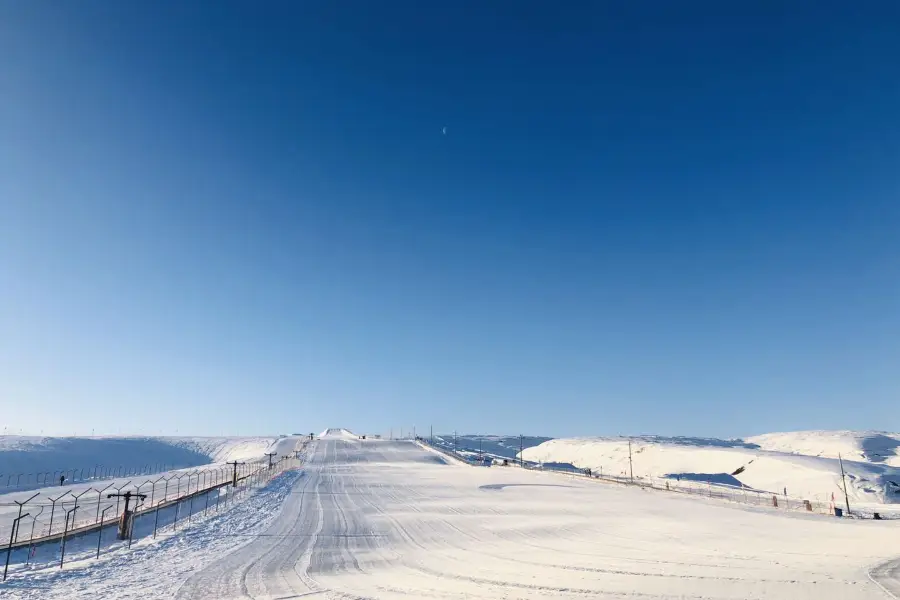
{"x": 644, "y": 217}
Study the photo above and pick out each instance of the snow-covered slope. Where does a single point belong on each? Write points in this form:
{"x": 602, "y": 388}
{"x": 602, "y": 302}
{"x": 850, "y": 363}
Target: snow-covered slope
{"x": 389, "y": 522}
{"x": 864, "y": 446}
{"x": 224, "y": 449}
{"x": 30, "y": 455}
{"x": 336, "y": 433}
{"x": 735, "y": 462}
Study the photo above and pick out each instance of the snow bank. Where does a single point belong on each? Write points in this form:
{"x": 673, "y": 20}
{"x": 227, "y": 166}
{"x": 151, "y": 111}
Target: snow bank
{"x": 740, "y": 462}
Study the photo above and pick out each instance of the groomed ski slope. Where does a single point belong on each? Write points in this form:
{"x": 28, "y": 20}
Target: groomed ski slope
{"x": 379, "y": 519}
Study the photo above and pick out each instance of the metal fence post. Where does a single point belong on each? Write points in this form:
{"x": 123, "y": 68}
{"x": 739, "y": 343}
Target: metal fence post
{"x": 156, "y": 520}
{"x": 62, "y": 556}
{"x": 31, "y": 537}
{"x": 100, "y": 533}
{"x": 53, "y": 502}
{"x": 15, "y": 531}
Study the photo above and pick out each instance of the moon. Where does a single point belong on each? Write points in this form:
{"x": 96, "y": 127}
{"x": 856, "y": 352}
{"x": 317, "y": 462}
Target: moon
{"x": 444, "y": 130}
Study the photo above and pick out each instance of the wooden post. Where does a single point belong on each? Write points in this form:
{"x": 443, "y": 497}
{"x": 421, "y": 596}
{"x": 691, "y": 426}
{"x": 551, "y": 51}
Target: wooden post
{"x": 844, "y": 480}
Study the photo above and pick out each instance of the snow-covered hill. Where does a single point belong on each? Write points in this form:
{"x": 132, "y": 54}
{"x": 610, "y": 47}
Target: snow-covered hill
{"x": 803, "y": 463}
{"x": 29, "y": 455}
{"x": 865, "y": 446}
{"x": 225, "y": 449}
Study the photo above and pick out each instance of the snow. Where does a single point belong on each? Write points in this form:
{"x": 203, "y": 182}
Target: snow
{"x": 224, "y": 449}
{"x": 30, "y": 455}
{"x": 863, "y": 446}
{"x": 151, "y": 567}
{"x": 497, "y": 446}
{"x": 748, "y": 462}
{"x": 390, "y": 520}
{"x": 338, "y": 434}
{"x": 209, "y": 453}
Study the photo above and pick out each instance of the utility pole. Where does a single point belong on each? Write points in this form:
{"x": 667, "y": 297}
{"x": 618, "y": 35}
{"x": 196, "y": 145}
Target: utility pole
{"x": 270, "y": 455}
{"x": 521, "y": 450}
{"x": 126, "y": 521}
{"x": 234, "y": 477}
{"x": 844, "y": 480}
{"x": 630, "y": 463}
{"x": 432, "y": 435}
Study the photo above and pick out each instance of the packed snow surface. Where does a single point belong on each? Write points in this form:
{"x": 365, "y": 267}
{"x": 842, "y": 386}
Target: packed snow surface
{"x": 338, "y": 434}
{"x": 804, "y": 464}
{"x": 391, "y": 520}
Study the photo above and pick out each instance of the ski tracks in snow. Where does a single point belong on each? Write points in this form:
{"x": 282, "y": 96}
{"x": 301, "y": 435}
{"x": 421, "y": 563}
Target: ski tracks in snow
{"x": 382, "y": 520}
{"x": 887, "y": 577}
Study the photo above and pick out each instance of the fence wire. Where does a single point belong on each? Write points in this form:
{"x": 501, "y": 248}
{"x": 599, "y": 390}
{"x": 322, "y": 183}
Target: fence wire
{"x": 157, "y": 504}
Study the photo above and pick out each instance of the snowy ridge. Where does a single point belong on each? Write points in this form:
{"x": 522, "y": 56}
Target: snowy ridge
{"x": 739, "y": 462}
{"x": 30, "y": 455}
{"x": 224, "y": 449}
{"x": 864, "y": 446}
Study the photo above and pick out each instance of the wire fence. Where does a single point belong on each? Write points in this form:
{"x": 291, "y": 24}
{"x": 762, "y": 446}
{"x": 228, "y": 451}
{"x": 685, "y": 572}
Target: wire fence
{"x": 144, "y": 506}
{"x": 693, "y": 487}
{"x": 14, "y": 481}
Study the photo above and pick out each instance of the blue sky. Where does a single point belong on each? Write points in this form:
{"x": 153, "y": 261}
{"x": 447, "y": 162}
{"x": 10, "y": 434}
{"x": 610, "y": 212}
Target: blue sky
{"x": 647, "y": 217}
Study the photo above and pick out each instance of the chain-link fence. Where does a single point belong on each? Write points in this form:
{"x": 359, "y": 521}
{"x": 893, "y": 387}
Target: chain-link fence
{"x": 13, "y": 481}
{"x": 143, "y": 506}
